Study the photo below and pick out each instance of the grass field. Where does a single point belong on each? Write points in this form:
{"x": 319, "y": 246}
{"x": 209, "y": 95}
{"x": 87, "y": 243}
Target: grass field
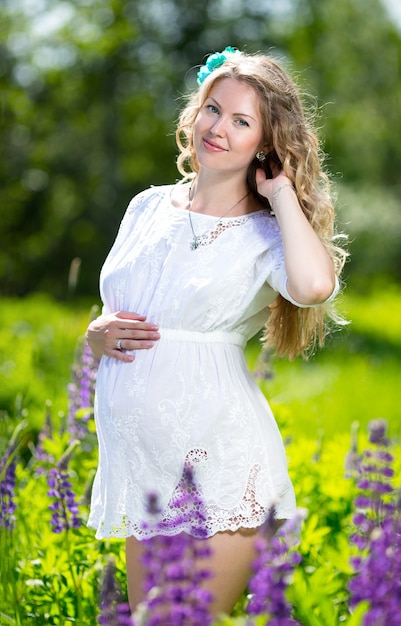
{"x": 50, "y": 578}
{"x": 354, "y": 378}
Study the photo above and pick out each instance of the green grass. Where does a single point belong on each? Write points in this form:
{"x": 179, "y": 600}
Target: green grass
{"x": 354, "y": 378}
{"x": 53, "y": 579}
{"x": 38, "y": 338}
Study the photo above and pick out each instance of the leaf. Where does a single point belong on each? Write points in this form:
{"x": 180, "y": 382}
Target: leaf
{"x": 357, "y": 614}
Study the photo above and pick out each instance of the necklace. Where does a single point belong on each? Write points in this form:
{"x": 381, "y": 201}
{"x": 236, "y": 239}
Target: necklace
{"x": 197, "y": 239}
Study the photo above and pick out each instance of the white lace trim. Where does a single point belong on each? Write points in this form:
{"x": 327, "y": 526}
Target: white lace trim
{"x": 249, "y": 513}
{"x": 206, "y": 238}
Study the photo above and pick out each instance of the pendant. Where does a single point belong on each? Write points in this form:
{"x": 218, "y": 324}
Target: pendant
{"x": 195, "y": 243}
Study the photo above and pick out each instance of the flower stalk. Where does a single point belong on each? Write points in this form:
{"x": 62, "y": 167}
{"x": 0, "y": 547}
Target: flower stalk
{"x": 377, "y": 536}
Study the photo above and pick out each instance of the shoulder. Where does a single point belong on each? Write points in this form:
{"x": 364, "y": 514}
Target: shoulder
{"x": 155, "y": 193}
{"x": 141, "y": 206}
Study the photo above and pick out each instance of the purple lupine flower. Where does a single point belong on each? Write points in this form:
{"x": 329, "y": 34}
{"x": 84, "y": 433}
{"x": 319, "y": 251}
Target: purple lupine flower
{"x": 374, "y": 501}
{"x": 81, "y": 391}
{"x": 378, "y": 536}
{"x": 64, "y": 506}
{"x": 378, "y": 432}
{"x": 7, "y": 496}
{"x": 273, "y": 568}
{"x": 263, "y": 369}
{"x": 378, "y": 578}
{"x": 173, "y": 580}
{"x": 7, "y": 475}
{"x": 113, "y": 611}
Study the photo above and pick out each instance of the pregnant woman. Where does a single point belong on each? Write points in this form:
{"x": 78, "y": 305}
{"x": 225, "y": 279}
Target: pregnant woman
{"x": 243, "y": 241}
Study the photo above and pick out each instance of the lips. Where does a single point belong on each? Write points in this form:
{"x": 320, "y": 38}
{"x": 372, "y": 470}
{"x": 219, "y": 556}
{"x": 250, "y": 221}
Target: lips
{"x": 212, "y": 145}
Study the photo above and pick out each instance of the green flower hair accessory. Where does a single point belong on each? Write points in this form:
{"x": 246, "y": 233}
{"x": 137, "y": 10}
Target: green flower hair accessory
{"x": 213, "y": 62}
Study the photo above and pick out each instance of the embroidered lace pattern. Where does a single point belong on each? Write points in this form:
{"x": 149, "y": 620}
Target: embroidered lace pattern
{"x": 205, "y": 239}
{"x": 249, "y": 513}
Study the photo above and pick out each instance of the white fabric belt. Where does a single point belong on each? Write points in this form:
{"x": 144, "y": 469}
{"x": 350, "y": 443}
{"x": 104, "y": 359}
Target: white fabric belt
{"x": 215, "y": 336}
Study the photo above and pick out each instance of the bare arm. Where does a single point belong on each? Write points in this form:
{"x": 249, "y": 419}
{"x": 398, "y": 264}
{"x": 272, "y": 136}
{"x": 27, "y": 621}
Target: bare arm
{"x": 132, "y": 329}
{"x": 310, "y": 270}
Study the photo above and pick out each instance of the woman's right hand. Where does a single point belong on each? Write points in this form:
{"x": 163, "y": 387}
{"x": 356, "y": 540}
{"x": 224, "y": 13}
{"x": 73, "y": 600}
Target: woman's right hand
{"x": 111, "y": 335}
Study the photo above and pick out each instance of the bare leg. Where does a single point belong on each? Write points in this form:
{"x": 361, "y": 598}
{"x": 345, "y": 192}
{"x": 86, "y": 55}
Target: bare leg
{"x": 135, "y": 572}
{"x": 231, "y": 567}
{"x": 230, "y": 563}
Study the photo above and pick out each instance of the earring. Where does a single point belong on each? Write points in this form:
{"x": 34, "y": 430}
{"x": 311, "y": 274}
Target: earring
{"x": 261, "y": 156}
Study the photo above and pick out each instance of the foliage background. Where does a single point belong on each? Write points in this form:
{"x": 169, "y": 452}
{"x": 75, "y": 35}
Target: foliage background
{"x": 89, "y": 94}
{"x": 54, "y": 579}
{"x": 90, "y": 90}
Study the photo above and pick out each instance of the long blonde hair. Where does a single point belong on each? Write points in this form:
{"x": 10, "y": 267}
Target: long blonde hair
{"x": 289, "y": 329}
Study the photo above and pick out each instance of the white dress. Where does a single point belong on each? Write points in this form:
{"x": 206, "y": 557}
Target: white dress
{"x": 190, "y": 398}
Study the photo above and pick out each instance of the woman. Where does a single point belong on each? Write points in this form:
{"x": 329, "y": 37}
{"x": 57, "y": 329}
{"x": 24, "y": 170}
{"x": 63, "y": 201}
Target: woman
{"x": 197, "y": 269}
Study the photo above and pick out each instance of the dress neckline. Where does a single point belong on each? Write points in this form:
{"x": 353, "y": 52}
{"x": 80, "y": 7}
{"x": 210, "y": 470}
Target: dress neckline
{"x": 170, "y": 188}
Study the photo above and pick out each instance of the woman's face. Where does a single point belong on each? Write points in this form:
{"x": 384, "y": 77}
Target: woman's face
{"x": 228, "y": 129}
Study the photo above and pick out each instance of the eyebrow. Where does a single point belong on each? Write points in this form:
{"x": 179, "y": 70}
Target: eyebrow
{"x": 236, "y": 114}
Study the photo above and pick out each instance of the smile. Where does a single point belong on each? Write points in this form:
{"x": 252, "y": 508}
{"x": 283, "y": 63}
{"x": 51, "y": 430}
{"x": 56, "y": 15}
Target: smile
{"x": 212, "y": 146}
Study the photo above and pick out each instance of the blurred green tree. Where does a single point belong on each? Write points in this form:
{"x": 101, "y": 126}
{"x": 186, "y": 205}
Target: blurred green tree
{"x": 351, "y": 52}
{"x": 90, "y": 90}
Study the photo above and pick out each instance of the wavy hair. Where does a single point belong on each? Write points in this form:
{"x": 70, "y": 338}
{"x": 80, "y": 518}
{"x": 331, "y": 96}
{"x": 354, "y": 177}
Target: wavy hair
{"x": 293, "y": 142}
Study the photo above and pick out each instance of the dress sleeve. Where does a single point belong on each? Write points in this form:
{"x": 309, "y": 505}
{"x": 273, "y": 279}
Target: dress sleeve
{"x": 127, "y": 224}
{"x": 277, "y": 277}
{"x": 286, "y": 295}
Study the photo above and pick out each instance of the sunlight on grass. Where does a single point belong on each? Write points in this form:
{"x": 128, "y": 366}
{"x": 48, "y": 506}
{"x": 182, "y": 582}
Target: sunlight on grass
{"x": 377, "y": 313}
{"x": 330, "y": 397}
{"x": 38, "y": 337}
{"x": 355, "y": 377}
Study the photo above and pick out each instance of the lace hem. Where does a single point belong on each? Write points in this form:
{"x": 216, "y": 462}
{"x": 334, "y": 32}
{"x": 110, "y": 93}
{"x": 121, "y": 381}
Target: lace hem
{"x": 249, "y": 513}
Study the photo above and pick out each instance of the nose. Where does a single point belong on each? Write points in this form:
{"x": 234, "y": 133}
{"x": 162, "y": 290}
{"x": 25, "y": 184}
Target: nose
{"x": 219, "y": 126}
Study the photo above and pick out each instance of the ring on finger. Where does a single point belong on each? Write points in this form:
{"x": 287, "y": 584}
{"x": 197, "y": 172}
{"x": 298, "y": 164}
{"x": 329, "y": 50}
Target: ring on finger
{"x": 118, "y": 344}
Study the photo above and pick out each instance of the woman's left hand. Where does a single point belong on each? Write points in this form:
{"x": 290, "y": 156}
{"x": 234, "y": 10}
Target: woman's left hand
{"x": 267, "y": 186}
{"x": 310, "y": 269}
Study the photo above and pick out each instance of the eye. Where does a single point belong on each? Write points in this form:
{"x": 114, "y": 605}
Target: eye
{"x": 241, "y": 122}
{"x": 212, "y": 108}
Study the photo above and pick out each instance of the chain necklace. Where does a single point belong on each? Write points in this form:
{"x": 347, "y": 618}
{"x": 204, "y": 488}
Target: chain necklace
{"x": 197, "y": 239}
